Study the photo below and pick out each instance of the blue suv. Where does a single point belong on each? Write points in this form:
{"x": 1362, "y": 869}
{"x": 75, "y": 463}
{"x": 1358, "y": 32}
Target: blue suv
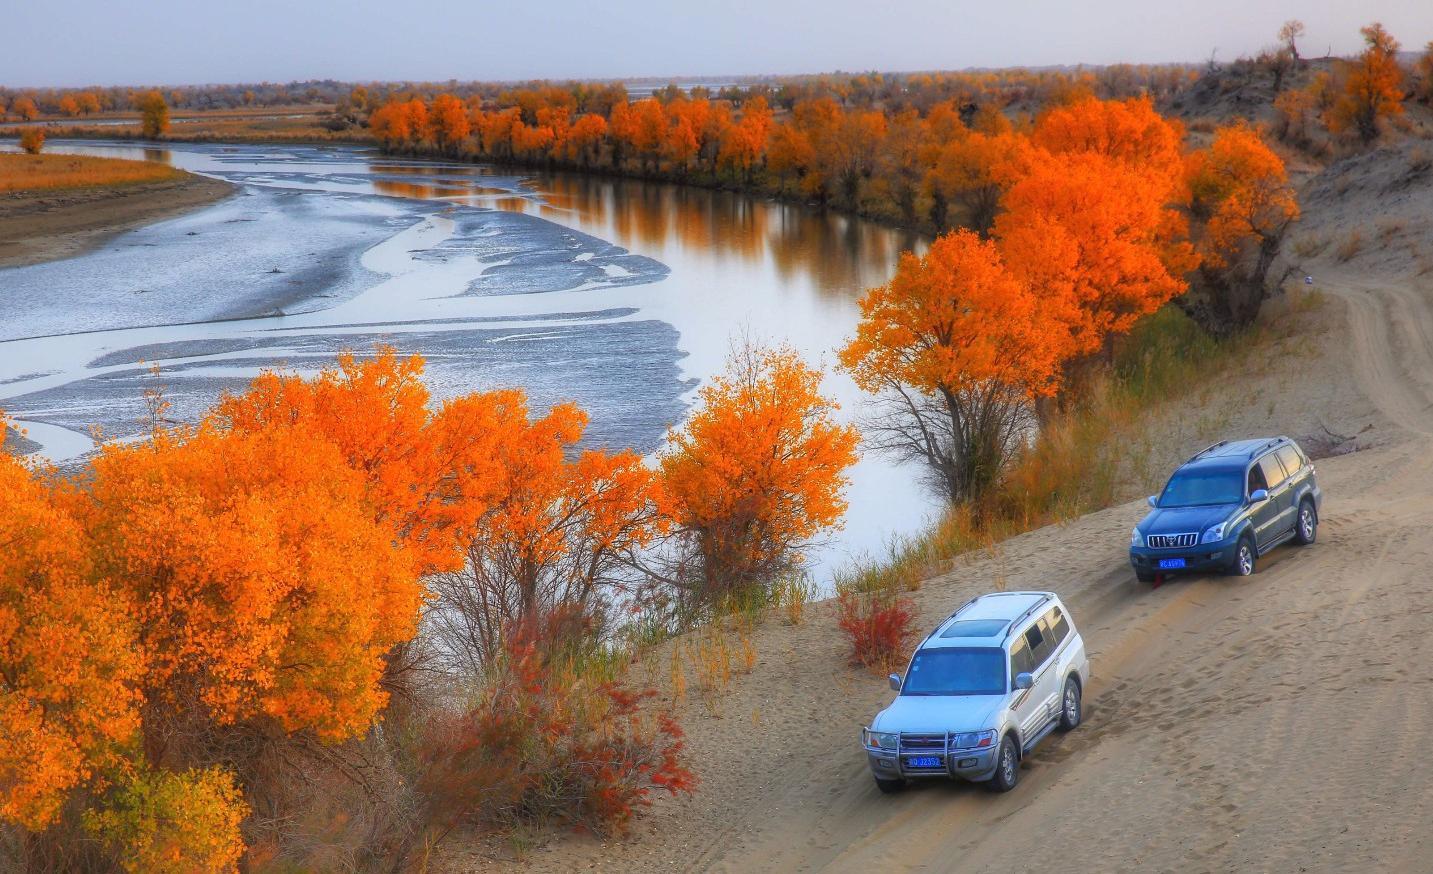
{"x": 1225, "y": 507}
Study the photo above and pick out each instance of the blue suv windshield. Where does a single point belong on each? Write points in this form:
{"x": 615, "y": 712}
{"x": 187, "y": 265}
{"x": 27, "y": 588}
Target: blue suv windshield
{"x": 962, "y": 671}
{"x": 1203, "y": 488}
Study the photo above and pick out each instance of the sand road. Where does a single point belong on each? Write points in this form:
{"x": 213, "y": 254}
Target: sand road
{"x": 1278, "y": 723}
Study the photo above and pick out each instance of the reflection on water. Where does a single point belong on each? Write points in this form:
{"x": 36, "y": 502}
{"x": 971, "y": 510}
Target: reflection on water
{"x": 844, "y": 256}
{"x": 621, "y": 294}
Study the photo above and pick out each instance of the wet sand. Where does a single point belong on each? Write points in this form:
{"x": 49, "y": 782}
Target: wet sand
{"x": 49, "y": 225}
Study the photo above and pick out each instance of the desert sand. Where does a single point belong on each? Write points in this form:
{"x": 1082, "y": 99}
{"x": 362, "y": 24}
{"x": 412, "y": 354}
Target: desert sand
{"x": 1276, "y": 723}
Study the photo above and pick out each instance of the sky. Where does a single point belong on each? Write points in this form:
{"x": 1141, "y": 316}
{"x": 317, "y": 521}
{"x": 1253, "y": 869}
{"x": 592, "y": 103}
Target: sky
{"x": 175, "y": 42}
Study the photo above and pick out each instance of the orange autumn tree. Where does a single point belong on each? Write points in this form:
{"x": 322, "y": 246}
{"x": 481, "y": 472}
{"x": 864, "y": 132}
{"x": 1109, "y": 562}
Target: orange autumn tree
{"x": 401, "y": 124}
{"x": 448, "y": 124}
{"x": 263, "y": 590}
{"x": 753, "y": 475}
{"x": 25, "y": 108}
{"x": 1097, "y": 239}
{"x": 555, "y": 546}
{"x": 153, "y": 115}
{"x": 972, "y": 171}
{"x": 1130, "y": 131}
{"x": 742, "y": 144}
{"x": 1373, "y": 87}
{"x": 1243, "y": 197}
{"x": 429, "y": 474}
{"x": 956, "y": 348}
{"x": 67, "y": 664}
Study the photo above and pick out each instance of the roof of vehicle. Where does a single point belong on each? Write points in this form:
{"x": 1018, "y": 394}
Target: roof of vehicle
{"x": 1233, "y": 454}
{"x": 984, "y": 621}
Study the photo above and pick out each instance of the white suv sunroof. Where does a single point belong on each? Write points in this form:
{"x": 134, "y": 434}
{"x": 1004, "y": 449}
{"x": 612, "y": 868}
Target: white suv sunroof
{"x": 975, "y": 628}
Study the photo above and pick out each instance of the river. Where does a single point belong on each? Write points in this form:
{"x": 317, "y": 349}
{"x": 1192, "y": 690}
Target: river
{"x": 617, "y": 294}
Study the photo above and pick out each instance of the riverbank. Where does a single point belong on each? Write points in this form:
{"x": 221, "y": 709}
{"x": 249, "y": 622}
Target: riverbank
{"x": 47, "y": 225}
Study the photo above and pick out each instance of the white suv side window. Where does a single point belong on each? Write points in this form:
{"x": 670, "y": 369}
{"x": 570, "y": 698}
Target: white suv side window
{"x": 1020, "y": 661}
{"x": 1040, "y": 644}
{"x": 1059, "y": 625}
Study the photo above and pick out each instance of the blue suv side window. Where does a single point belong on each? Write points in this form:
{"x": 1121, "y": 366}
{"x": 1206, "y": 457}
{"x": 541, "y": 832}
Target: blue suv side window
{"x": 1273, "y": 471}
{"x": 1256, "y": 480}
{"x": 1289, "y": 457}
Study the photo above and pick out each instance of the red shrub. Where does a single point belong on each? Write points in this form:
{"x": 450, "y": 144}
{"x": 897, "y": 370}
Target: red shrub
{"x": 878, "y": 624}
{"x": 548, "y": 743}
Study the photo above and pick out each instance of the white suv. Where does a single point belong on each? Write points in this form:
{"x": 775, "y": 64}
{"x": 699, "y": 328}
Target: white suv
{"x": 982, "y": 690}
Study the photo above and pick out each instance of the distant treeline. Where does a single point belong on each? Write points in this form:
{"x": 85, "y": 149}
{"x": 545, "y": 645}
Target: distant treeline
{"x": 915, "y": 149}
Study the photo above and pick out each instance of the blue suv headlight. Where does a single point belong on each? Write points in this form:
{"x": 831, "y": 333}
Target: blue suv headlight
{"x": 1135, "y": 538}
{"x": 1214, "y": 533}
{"x": 973, "y": 740}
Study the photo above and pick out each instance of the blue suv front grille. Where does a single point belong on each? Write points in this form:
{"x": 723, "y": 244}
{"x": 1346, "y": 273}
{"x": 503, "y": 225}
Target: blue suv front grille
{"x": 1171, "y": 541}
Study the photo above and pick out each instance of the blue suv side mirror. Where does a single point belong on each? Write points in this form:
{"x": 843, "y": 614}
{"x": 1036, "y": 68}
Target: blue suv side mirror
{"x": 1258, "y": 495}
{"x": 1153, "y": 501}
{"x": 1024, "y": 680}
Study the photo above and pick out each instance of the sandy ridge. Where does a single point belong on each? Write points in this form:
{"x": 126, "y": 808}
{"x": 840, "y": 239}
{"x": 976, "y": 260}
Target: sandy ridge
{"x": 49, "y": 225}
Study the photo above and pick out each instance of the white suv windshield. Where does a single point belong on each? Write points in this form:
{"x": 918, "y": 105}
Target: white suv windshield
{"x": 952, "y": 671}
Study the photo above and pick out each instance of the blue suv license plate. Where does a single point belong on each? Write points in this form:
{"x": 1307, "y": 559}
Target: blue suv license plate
{"x": 922, "y": 761}
{"x": 1169, "y": 564}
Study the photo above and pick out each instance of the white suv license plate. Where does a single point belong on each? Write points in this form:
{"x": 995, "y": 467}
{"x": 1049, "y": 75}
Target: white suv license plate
{"x": 922, "y": 761}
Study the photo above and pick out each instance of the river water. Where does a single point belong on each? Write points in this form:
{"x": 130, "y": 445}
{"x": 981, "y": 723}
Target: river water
{"x": 620, "y": 295}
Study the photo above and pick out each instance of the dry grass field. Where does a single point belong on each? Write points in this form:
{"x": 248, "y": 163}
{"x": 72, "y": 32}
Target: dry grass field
{"x": 20, "y": 173}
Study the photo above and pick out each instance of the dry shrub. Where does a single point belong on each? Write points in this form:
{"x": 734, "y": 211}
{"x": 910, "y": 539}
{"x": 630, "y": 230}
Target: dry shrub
{"x": 879, "y": 625}
{"x": 711, "y": 656}
{"x": 1350, "y": 247}
{"x": 547, "y": 742}
{"x": 1390, "y": 227}
{"x": 792, "y": 593}
{"x": 1309, "y": 246}
{"x": 678, "y": 676}
{"x": 32, "y": 140}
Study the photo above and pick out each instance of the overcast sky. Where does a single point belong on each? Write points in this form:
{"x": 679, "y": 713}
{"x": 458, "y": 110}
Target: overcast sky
{"x": 82, "y": 42}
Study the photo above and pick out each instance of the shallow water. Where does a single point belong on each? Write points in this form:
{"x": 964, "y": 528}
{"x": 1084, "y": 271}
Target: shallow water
{"x": 617, "y": 294}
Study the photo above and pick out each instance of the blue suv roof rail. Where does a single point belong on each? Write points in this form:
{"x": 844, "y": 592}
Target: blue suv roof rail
{"x": 1275, "y": 442}
{"x": 1210, "y": 447}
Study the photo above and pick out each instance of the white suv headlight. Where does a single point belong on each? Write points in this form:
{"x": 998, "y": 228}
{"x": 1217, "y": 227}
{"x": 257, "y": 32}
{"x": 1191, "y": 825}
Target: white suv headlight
{"x": 971, "y": 740}
{"x": 1135, "y": 538}
{"x": 886, "y": 740}
{"x": 1214, "y": 533}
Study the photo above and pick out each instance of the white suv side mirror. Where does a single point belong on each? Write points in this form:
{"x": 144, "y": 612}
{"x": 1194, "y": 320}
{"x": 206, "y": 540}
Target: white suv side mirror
{"x": 895, "y": 682}
{"x": 1258, "y": 495}
{"x": 1024, "y": 680}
